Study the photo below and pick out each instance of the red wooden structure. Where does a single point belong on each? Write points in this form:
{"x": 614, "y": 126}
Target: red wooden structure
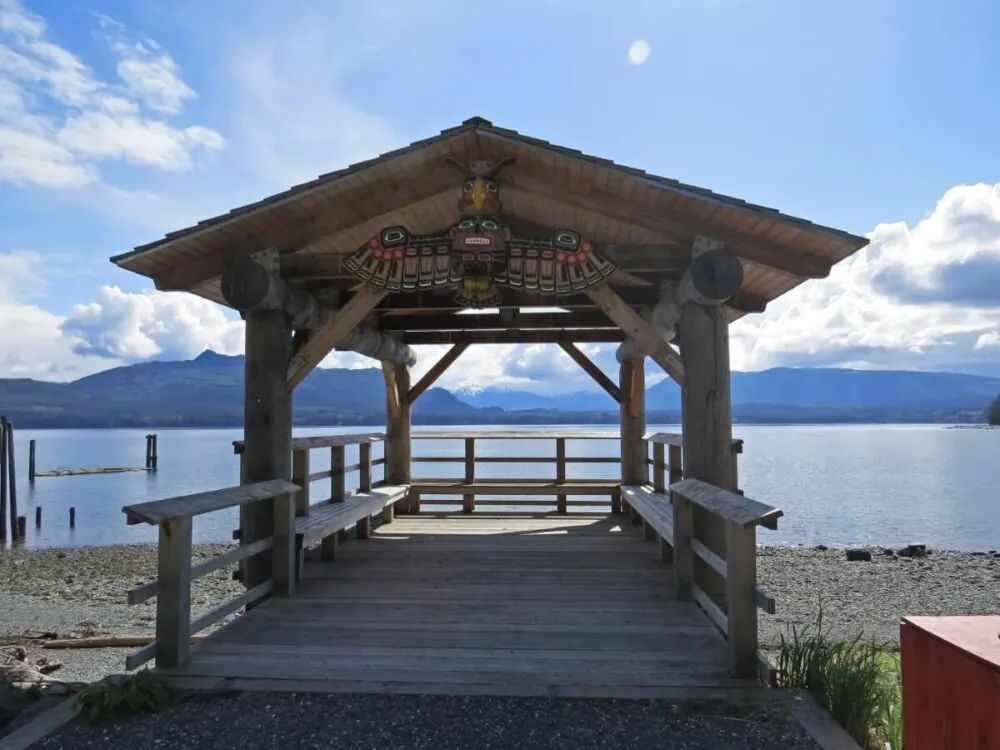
{"x": 951, "y": 682}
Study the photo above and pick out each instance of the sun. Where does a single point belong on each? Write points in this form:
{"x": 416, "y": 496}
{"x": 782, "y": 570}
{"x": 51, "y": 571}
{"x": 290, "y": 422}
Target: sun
{"x": 638, "y": 52}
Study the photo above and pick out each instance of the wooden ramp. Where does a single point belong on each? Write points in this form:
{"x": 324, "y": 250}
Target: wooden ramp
{"x": 478, "y": 605}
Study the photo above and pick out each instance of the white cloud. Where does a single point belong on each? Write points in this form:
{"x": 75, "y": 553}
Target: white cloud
{"x": 987, "y": 340}
{"x": 59, "y": 121}
{"x": 918, "y": 296}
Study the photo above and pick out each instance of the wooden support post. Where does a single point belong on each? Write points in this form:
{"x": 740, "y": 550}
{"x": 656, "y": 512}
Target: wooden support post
{"x": 149, "y": 452}
{"x": 285, "y": 563}
{"x": 633, "y": 424}
{"x": 561, "y": 473}
{"x": 38, "y": 517}
{"x": 72, "y": 518}
{"x": 155, "y": 456}
{"x": 300, "y": 477}
{"x": 683, "y": 550}
{"x": 469, "y": 501}
{"x": 707, "y": 425}
{"x": 173, "y": 603}
{"x": 397, "y": 441}
{"x": 741, "y": 604}
{"x": 267, "y": 433}
{"x": 31, "y": 461}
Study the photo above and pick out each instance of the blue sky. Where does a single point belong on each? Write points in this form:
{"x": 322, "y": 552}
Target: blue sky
{"x": 122, "y": 121}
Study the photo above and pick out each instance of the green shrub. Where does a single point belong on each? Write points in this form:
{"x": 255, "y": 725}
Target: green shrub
{"x": 141, "y": 692}
{"x": 856, "y": 681}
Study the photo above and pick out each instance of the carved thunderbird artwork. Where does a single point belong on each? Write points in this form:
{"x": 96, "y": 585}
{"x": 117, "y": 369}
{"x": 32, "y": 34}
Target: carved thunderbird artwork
{"x": 477, "y": 253}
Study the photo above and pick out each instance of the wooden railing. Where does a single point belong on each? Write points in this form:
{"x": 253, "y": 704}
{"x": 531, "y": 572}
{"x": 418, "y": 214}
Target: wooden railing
{"x": 667, "y": 460}
{"x": 175, "y": 572}
{"x": 559, "y": 485}
{"x": 737, "y": 620}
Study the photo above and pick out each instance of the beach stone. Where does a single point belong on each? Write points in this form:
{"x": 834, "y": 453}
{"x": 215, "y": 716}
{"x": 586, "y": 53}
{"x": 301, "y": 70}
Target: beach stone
{"x": 858, "y": 555}
{"x": 821, "y": 547}
{"x": 913, "y": 550}
{"x": 889, "y": 552}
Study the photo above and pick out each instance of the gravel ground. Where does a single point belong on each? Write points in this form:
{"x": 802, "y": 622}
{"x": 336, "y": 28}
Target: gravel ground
{"x": 870, "y": 597}
{"x": 81, "y": 591}
{"x": 373, "y": 722}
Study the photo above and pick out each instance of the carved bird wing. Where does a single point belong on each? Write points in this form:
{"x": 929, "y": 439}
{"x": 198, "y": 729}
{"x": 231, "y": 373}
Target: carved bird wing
{"x": 564, "y": 263}
{"x": 398, "y": 261}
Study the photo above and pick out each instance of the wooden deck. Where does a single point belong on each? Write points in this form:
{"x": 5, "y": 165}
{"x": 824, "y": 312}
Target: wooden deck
{"x": 478, "y": 604}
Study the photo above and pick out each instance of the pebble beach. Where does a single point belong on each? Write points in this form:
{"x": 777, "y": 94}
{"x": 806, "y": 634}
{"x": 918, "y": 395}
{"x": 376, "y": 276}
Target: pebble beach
{"x": 82, "y": 591}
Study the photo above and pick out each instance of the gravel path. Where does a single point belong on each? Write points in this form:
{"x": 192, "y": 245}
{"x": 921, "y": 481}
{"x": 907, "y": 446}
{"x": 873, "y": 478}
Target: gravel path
{"x": 373, "y": 722}
{"x": 870, "y": 597}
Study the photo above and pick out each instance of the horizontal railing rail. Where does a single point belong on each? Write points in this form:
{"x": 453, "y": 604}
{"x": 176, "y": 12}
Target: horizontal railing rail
{"x": 470, "y": 485}
{"x": 175, "y": 571}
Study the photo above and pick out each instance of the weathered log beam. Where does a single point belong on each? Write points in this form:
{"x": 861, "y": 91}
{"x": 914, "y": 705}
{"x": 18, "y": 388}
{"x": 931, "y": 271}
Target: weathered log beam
{"x": 446, "y": 361}
{"x": 379, "y": 345}
{"x": 635, "y": 326}
{"x": 713, "y": 277}
{"x": 589, "y": 367}
{"x": 554, "y": 336}
{"x": 253, "y": 283}
{"x": 493, "y": 321}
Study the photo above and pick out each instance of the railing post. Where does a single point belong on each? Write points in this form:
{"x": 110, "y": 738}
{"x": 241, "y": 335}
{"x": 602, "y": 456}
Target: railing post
{"x": 469, "y": 501}
{"x": 300, "y": 476}
{"x": 561, "y": 472}
{"x": 676, "y": 466}
{"x": 173, "y": 606}
{"x": 683, "y": 551}
{"x": 283, "y": 546}
{"x": 364, "y": 467}
{"x": 737, "y": 450}
{"x": 328, "y": 547}
{"x": 659, "y": 468}
{"x": 741, "y": 606}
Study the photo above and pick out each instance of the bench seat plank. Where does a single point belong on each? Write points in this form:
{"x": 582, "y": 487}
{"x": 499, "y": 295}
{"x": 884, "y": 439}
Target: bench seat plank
{"x": 654, "y": 507}
{"x": 328, "y": 518}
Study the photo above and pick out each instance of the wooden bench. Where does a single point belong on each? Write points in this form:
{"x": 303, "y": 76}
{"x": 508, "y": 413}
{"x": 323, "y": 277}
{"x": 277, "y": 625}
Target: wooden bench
{"x": 325, "y": 521}
{"x": 656, "y": 512}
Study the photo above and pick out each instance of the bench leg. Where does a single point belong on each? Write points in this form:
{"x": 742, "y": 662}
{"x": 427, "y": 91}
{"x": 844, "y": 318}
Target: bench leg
{"x": 300, "y": 560}
{"x": 388, "y": 513}
{"x": 365, "y": 527}
{"x": 616, "y": 503}
{"x": 666, "y": 552}
{"x": 634, "y": 515}
{"x": 328, "y": 547}
{"x": 648, "y": 532}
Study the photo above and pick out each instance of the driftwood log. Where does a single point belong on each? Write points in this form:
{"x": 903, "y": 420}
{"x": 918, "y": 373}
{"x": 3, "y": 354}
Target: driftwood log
{"x": 107, "y": 641}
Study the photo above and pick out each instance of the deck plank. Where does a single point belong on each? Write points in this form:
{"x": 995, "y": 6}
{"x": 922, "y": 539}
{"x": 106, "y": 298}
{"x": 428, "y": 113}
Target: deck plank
{"x": 478, "y": 606}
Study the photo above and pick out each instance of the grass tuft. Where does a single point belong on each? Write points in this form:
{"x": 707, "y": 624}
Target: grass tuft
{"x": 857, "y": 681}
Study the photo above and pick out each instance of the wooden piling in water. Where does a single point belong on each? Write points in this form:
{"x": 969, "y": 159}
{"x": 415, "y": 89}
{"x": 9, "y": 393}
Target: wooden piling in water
{"x": 22, "y": 527}
{"x": 72, "y": 518}
{"x": 38, "y": 518}
{"x": 31, "y": 461}
{"x": 3, "y": 479}
{"x": 12, "y": 481}
{"x": 151, "y": 457}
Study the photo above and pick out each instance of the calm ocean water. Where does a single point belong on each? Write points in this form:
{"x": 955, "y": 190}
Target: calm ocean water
{"x": 838, "y": 485}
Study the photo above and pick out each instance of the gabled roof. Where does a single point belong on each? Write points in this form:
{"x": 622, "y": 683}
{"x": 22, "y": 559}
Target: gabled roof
{"x": 317, "y": 222}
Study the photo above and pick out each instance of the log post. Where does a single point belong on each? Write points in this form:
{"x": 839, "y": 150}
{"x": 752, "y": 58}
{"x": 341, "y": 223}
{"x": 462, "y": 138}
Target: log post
{"x": 561, "y": 507}
{"x": 31, "y": 461}
{"x": 3, "y": 480}
{"x": 267, "y": 431}
{"x": 631, "y": 376}
{"x": 707, "y": 424}
{"x": 469, "y": 501}
{"x": 398, "y": 431}
{"x": 173, "y": 603}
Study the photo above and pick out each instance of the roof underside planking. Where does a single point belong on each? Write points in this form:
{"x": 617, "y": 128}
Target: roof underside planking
{"x": 642, "y": 222}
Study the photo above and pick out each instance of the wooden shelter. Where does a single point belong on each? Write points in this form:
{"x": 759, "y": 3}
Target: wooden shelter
{"x": 377, "y": 258}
